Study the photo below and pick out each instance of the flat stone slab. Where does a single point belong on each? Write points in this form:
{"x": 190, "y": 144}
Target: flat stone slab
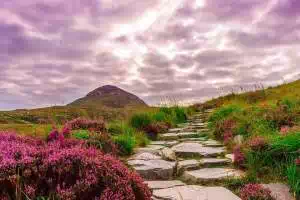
{"x": 279, "y": 191}
{"x": 211, "y": 174}
{"x": 150, "y": 149}
{"x": 186, "y": 165}
{"x": 174, "y": 130}
{"x": 214, "y": 161}
{"x": 156, "y": 185}
{"x": 153, "y": 169}
{"x": 145, "y": 156}
{"x": 190, "y": 149}
{"x": 199, "y": 139}
{"x": 212, "y": 143}
{"x": 174, "y": 136}
{"x": 193, "y": 192}
{"x": 165, "y": 143}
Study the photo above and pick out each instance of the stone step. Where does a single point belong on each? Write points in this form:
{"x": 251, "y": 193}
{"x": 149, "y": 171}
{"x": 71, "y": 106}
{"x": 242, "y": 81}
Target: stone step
{"x": 212, "y": 143}
{"x": 198, "y": 139}
{"x": 156, "y": 185}
{"x": 187, "y": 165}
{"x": 154, "y": 169}
{"x": 175, "y": 130}
{"x": 193, "y": 149}
{"x": 175, "y": 136}
{"x": 211, "y": 174}
{"x": 194, "y": 192}
{"x": 150, "y": 148}
{"x": 165, "y": 143}
{"x": 210, "y": 162}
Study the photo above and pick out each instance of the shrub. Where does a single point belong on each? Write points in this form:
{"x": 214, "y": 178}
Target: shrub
{"x": 140, "y": 121}
{"x": 103, "y": 142}
{"x": 258, "y": 143}
{"x": 223, "y": 112}
{"x": 125, "y": 143}
{"x": 81, "y": 134}
{"x": 239, "y": 157}
{"x": 86, "y": 124}
{"x": 155, "y": 128}
{"x": 255, "y": 192}
{"x": 65, "y": 170}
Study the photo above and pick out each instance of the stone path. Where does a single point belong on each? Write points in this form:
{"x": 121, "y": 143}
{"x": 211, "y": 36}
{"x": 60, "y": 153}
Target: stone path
{"x": 184, "y": 156}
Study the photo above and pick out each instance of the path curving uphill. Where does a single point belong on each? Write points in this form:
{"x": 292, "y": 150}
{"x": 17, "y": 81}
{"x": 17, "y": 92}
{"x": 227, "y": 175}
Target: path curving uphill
{"x": 184, "y": 161}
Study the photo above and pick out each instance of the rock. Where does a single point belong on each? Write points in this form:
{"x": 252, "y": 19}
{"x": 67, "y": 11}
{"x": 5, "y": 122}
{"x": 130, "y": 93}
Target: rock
{"x": 174, "y": 130}
{"x": 150, "y": 149}
{"x": 214, "y": 161}
{"x": 189, "y": 149}
{"x": 168, "y": 154}
{"x": 199, "y": 139}
{"x": 212, "y": 143}
{"x": 238, "y": 139}
{"x": 211, "y": 174}
{"x": 187, "y": 165}
{"x": 193, "y": 192}
{"x": 175, "y": 136}
{"x": 279, "y": 191}
{"x": 230, "y": 156}
{"x": 165, "y": 143}
{"x": 145, "y": 156}
{"x": 153, "y": 169}
{"x": 155, "y": 185}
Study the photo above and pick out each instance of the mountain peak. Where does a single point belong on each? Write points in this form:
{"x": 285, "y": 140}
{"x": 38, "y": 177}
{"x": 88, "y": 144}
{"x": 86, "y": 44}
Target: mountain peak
{"x": 106, "y": 89}
{"x": 109, "y": 96}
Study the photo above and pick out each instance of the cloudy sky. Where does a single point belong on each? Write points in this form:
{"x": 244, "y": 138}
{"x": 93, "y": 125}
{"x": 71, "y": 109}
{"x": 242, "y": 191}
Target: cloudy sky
{"x": 54, "y": 51}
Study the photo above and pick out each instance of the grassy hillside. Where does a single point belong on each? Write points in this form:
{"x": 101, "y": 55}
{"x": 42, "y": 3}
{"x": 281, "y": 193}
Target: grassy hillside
{"x": 270, "y": 96}
{"x": 262, "y": 129}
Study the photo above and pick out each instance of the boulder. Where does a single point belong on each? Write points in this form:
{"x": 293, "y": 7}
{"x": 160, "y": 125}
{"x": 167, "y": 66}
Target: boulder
{"x": 168, "y": 154}
{"x": 279, "y": 191}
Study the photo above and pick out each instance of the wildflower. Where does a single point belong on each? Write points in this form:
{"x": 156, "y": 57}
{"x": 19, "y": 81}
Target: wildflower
{"x": 238, "y": 156}
{"x": 257, "y": 143}
{"x": 255, "y": 192}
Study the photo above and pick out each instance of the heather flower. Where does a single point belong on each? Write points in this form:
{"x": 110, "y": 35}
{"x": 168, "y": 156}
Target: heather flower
{"x": 86, "y": 124}
{"x": 227, "y": 137}
{"x": 284, "y": 130}
{"x": 297, "y": 161}
{"x": 67, "y": 169}
{"x": 66, "y": 131}
{"x": 238, "y": 156}
{"x": 255, "y": 192}
{"x": 257, "y": 143}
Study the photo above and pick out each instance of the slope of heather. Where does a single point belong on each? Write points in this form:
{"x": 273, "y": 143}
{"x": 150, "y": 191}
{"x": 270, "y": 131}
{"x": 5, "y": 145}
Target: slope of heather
{"x": 109, "y": 96}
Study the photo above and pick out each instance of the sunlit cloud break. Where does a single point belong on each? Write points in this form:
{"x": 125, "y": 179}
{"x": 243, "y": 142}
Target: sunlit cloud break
{"x": 55, "y": 51}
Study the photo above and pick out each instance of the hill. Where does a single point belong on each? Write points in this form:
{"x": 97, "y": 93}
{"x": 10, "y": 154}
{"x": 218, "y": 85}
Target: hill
{"x": 109, "y": 96}
{"x": 262, "y": 130}
{"x": 269, "y": 95}
{"x": 108, "y": 102}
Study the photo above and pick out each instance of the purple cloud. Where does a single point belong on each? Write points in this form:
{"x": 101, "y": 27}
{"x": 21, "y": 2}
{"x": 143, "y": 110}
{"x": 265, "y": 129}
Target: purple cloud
{"x": 55, "y": 51}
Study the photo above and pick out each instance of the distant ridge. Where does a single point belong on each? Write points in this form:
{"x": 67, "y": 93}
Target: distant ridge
{"x": 109, "y": 96}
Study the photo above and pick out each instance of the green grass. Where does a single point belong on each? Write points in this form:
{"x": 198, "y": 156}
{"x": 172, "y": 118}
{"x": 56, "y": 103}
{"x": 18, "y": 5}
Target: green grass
{"x": 263, "y": 113}
{"x": 81, "y": 134}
